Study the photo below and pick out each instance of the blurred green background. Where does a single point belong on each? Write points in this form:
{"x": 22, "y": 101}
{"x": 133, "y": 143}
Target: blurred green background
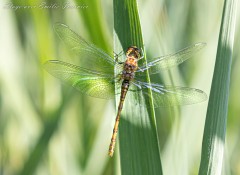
{"x": 47, "y": 127}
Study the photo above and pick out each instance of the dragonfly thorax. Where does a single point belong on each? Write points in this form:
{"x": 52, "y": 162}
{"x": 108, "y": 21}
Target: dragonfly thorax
{"x": 131, "y": 65}
{"x": 128, "y": 72}
{"x": 128, "y": 76}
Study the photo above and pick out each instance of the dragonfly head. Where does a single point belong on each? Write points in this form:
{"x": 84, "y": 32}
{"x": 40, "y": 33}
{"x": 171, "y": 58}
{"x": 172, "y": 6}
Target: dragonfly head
{"x": 133, "y": 51}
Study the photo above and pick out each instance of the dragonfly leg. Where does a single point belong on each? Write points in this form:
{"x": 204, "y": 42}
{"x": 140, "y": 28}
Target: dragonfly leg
{"x": 142, "y": 54}
{"x": 117, "y": 55}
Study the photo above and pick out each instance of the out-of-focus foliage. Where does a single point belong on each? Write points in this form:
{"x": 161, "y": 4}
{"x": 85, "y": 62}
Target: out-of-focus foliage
{"x": 49, "y": 128}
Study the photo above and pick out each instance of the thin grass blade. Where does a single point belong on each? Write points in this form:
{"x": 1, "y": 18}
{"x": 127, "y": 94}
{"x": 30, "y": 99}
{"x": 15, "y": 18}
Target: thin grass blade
{"x": 139, "y": 148}
{"x": 216, "y": 119}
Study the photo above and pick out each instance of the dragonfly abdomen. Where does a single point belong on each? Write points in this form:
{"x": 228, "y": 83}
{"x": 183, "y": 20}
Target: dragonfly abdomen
{"x": 124, "y": 89}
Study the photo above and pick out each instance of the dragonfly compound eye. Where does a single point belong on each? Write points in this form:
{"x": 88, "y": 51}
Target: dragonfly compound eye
{"x": 133, "y": 51}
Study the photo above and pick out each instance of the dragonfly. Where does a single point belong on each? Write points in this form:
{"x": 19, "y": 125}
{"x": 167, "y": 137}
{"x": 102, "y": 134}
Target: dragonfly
{"x": 100, "y": 73}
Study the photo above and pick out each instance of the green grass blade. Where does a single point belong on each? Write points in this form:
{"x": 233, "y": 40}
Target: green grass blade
{"x": 139, "y": 149}
{"x": 94, "y": 22}
{"x": 216, "y": 119}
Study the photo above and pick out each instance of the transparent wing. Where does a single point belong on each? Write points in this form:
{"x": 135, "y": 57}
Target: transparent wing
{"x": 88, "y": 82}
{"x": 90, "y": 56}
{"x": 164, "y": 96}
{"x": 168, "y": 61}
